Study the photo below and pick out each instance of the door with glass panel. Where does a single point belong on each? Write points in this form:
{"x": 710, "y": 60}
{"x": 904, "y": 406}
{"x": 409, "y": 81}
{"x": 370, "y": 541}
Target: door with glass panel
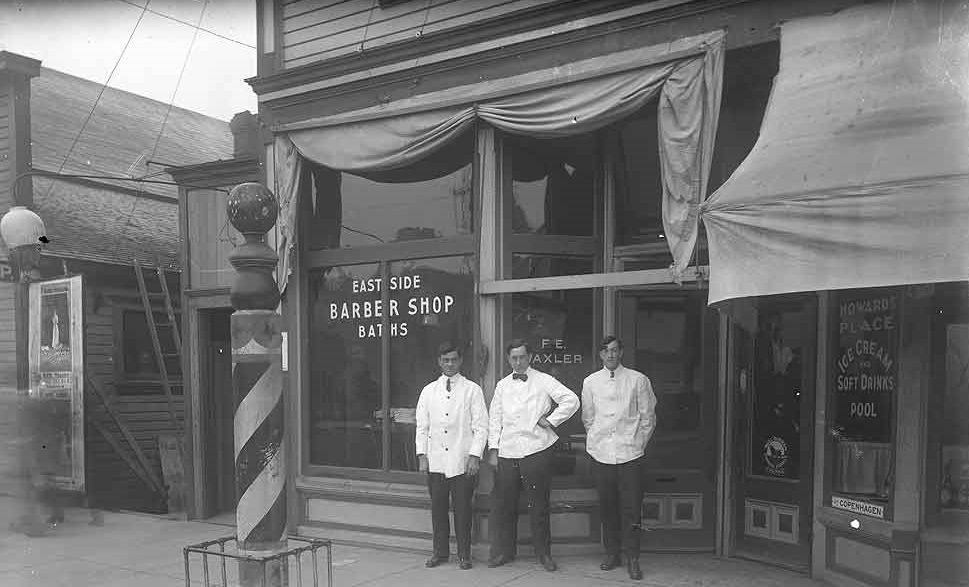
{"x": 773, "y": 357}
{"x": 671, "y": 336}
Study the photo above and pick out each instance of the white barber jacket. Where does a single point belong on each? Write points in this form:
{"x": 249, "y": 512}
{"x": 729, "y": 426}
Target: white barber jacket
{"x": 517, "y": 407}
{"x": 451, "y": 424}
{"x": 619, "y": 413}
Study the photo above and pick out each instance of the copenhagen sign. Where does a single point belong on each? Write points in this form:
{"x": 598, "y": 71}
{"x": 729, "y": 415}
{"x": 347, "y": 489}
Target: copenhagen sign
{"x": 858, "y": 507}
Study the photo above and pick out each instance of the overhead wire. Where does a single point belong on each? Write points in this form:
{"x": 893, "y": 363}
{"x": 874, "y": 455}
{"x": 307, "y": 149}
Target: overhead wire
{"x": 168, "y": 111}
{"x": 198, "y": 27}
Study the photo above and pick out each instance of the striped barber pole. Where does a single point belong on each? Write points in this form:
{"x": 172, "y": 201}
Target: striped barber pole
{"x": 257, "y": 379}
{"x": 259, "y": 428}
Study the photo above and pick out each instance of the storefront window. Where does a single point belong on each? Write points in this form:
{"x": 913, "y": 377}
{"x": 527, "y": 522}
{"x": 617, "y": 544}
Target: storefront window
{"x": 864, "y": 365}
{"x": 435, "y": 302}
{"x": 949, "y": 407}
{"x": 345, "y": 367}
{"x": 553, "y": 185}
{"x": 559, "y": 326}
{"x": 428, "y": 200}
{"x": 525, "y": 266}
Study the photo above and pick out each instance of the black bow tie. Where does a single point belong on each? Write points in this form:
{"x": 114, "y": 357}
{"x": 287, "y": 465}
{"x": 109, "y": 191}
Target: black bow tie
{"x": 520, "y": 376}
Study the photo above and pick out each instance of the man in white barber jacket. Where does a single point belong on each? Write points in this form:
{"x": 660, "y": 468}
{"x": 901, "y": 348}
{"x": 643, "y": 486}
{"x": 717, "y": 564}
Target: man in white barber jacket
{"x": 522, "y": 433}
{"x": 619, "y": 413}
{"x": 452, "y": 428}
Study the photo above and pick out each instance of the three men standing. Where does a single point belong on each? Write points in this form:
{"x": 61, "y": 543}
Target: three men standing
{"x": 452, "y": 427}
{"x": 521, "y": 434}
{"x": 453, "y": 424}
{"x": 619, "y": 413}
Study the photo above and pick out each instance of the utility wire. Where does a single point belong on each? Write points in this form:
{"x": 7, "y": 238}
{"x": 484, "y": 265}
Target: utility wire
{"x": 197, "y": 27}
{"x": 104, "y": 86}
{"x": 161, "y": 131}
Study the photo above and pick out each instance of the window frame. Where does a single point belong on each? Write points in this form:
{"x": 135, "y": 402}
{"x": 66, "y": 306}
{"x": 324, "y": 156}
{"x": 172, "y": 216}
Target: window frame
{"x": 141, "y": 383}
{"x": 383, "y": 254}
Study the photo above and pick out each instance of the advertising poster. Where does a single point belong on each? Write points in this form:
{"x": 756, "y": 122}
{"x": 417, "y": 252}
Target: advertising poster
{"x": 56, "y": 402}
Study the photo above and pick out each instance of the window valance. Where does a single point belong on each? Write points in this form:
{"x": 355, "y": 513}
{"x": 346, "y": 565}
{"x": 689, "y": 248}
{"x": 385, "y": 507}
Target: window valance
{"x": 572, "y": 98}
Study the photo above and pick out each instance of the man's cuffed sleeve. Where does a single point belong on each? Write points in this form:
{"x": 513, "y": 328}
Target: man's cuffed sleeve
{"x": 494, "y": 419}
{"x": 568, "y": 402}
{"x": 647, "y": 407}
{"x": 479, "y": 422}
{"x": 423, "y": 423}
{"x": 588, "y": 406}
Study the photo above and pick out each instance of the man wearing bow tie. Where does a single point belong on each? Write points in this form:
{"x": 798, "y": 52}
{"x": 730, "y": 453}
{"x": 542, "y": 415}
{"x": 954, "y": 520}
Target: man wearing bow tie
{"x": 452, "y": 427}
{"x": 521, "y": 434}
{"x": 619, "y": 413}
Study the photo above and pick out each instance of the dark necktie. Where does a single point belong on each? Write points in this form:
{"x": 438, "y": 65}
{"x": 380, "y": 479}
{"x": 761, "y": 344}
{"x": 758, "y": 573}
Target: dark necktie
{"x": 520, "y": 376}
{"x": 448, "y": 385}
{"x": 612, "y": 374}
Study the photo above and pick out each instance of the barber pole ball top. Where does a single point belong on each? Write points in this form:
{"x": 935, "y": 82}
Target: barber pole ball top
{"x": 252, "y": 208}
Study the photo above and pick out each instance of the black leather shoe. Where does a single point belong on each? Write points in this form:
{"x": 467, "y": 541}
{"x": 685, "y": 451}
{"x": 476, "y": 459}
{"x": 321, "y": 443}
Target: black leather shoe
{"x": 548, "y": 563}
{"x": 635, "y": 573}
{"x": 498, "y": 561}
{"x": 610, "y": 562}
{"x": 435, "y": 561}
{"x": 465, "y": 564}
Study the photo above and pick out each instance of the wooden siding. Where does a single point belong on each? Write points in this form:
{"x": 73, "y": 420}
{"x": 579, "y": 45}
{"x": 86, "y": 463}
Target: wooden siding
{"x": 112, "y": 484}
{"x": 6, "y": 154}
{"x": 210, "y": 239}
{"x": 317, "y": 30}
{"x": 9, "y": 476}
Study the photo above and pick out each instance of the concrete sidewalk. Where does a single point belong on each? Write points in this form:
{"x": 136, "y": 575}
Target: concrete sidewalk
{"x": 146, "y": 551}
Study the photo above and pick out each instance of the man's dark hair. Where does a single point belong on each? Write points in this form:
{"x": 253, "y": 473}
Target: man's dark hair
{"x": 515, "y": 343}
{"x": 608, "y": 340}
{"x": 449, "y": 347}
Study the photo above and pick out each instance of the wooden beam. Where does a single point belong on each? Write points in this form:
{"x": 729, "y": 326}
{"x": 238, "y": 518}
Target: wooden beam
{"x": 619, "y": 279}
{"x": 126, "y": 432}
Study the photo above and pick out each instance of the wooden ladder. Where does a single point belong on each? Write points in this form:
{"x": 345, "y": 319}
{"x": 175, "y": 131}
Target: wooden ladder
{"x": 171, "y": 326}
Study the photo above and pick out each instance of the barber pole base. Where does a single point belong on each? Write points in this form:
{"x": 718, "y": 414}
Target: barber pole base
{"x": 259, "y": 459}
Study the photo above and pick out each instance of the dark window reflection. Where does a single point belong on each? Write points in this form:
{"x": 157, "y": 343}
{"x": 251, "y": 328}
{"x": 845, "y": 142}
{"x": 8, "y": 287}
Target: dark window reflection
{"x": 430, "y": 199}
{"x": 345, "y": 368}
{"x": 559, "y": 325}
{"x": 525, "y": 266}
{"x": 436, "y": 305}
{"x": 553, "y": 185}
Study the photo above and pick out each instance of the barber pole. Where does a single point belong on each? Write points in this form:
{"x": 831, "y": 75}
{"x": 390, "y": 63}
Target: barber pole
{"x": 258, "y": 382}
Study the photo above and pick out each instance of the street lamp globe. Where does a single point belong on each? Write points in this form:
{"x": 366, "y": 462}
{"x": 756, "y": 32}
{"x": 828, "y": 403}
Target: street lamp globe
{"x": 23, "y": 232}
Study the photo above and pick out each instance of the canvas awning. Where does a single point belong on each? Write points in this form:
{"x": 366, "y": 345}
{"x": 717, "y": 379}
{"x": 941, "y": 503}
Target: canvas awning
{"x": 860, "y": 177}
{"x": 569, "y": 99}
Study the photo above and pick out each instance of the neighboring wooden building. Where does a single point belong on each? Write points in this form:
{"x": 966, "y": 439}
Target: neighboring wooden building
{"x": 541, "y": 167}
{"x": 64, "y": 126}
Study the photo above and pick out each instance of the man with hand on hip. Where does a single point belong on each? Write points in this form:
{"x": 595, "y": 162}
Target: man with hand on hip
{"x": 619, "y": 413}
{"x": 452, "y": 428}
{"x": 521, "y": 433}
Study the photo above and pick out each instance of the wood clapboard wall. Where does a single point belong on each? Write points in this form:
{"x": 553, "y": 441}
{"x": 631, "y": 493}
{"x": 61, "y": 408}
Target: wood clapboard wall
{"x": 112, "y": 484}
{"x": 6, "y": 173}
{"x": 317, "y": 30}
{"x": 210, "y": 238}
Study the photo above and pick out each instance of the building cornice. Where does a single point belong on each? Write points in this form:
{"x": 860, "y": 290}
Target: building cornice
{"x": 216, "y": 173}
{"x": 531, "y": 30}
{"x": 14, "y": 63}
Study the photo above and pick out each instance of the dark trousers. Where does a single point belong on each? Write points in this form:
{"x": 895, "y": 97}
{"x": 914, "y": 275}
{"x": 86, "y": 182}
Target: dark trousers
{"x": 460, "y": 490}
{"x": 620, "y": 490}
{"x": 533, "y": 474}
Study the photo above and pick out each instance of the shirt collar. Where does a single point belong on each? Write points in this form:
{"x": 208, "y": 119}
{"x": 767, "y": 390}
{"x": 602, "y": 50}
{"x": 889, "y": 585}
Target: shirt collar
{"x": 457, "y": 377}
{"x": 618, "y": 370}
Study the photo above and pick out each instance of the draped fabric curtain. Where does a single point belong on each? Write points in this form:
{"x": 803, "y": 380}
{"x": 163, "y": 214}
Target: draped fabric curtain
{"x": 572, "y": 99}
{"x": 860, "y": 176}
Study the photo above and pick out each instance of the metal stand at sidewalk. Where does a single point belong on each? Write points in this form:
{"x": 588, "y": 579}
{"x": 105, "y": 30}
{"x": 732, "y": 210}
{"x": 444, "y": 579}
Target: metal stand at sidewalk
{"x": 292, "y": 559}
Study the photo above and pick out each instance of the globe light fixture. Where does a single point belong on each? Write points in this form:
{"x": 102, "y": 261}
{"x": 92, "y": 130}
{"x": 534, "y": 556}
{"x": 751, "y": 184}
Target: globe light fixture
{"x": 23, "y": 232}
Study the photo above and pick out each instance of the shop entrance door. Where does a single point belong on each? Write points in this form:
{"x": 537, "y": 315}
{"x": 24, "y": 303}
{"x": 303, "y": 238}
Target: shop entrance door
{"x": 218, "y": 404}
{"x": 773, "y": 357}
{"x": 671, "y": 336}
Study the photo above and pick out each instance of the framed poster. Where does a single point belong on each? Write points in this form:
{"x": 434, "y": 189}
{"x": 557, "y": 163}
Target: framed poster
{"x": 56, "y": 363}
